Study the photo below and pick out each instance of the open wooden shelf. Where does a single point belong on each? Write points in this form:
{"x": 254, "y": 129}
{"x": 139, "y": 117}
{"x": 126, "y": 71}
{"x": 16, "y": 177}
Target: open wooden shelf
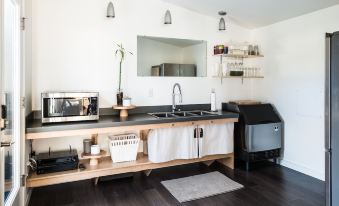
{"x": 107, "y": 167}
{"x": 239, "y": 55}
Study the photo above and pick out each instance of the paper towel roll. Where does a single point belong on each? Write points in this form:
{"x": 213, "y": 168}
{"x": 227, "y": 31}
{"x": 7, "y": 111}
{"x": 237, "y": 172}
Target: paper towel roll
{"x": 216, "y": 70}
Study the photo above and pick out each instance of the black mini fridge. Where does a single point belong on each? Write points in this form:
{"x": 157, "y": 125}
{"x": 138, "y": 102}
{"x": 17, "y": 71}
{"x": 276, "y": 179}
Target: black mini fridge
{"x": 258, "y": 134}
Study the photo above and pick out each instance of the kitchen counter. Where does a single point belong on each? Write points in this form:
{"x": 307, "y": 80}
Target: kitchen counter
{"x": 35, "y": 125}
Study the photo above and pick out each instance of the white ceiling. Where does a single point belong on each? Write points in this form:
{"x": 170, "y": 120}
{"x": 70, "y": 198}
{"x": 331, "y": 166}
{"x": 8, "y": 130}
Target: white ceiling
{"x": 255, "y": 13}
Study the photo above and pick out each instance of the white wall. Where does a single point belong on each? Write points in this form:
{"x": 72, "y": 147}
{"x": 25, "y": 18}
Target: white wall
{"x": 195, "y": 54}
{"x": 73, "y": 49}
{"x": 294, "y": 82}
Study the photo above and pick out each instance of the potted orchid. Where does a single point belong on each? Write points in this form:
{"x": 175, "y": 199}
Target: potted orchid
{"x": 121, "y": 52}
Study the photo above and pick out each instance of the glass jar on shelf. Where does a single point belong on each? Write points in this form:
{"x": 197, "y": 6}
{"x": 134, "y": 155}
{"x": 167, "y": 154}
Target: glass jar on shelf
{"x": 256, "y": 50}
{"x": 249, "y": 72}
{"x": 246, "y": 72}
{"x": 250, "y": 50}
{"x": 255, "y": 74}
{"x": 258, "y": 72}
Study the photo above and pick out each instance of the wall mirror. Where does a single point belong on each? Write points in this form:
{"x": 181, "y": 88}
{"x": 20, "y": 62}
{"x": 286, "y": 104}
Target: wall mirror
{"x": 166, "y": 57}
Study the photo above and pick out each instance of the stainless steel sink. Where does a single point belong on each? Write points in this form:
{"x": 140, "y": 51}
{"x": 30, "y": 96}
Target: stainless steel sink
{"x": 183, "y": 114}
{"x": 203, "y": 113}
{"x": 162, "y": 114}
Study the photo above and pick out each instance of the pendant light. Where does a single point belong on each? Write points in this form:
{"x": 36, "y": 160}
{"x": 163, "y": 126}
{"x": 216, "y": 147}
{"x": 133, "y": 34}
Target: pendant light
{"x": 222, "y": 25}
{"x": 110, "y": 10}
{"x": 168, "y": 17}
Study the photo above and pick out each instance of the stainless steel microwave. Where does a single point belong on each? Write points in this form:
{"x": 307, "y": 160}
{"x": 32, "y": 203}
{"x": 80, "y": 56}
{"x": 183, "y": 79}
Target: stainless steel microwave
{"x": 69, "y": 106}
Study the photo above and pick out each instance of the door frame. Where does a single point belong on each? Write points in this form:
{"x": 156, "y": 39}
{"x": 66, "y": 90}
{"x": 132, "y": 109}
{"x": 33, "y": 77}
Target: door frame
{"x": 23, "y": 196}
{"x": 14, "y": 196}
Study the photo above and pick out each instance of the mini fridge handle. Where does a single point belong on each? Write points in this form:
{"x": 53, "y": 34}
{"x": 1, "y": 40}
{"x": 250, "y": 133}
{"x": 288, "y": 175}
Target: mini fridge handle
{"x": 328, "y": 93}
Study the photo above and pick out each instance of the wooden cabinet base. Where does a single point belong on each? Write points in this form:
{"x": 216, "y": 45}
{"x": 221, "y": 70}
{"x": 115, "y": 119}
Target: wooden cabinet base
{"x": 107, "y": 167}
{"x": 147, "y": 172}
{"x": 208, "y": 163}
{"x": 228, "y": 162}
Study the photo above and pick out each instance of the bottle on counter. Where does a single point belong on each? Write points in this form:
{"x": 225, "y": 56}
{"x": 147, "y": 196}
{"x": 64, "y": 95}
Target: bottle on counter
{"x": 213, "y": 101}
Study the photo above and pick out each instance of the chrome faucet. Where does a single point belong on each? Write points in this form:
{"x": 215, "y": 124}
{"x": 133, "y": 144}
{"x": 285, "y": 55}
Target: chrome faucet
{"x": 174, "y": 106}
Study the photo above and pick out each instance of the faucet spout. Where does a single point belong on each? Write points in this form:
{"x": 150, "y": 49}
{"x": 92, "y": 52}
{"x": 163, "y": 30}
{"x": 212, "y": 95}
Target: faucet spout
{"x": 174, "y": 106}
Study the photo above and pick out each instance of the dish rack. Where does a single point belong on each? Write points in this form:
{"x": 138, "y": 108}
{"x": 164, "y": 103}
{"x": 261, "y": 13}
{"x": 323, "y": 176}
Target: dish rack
{"x": 123, "y": 147}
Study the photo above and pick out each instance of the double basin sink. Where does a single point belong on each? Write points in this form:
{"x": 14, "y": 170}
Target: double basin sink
{"x": 180, "y": 114}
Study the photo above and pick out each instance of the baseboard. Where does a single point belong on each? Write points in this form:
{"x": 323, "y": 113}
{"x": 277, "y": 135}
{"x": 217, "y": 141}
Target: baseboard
{"x": 303, "y": 169}
{"x": 28, "y": 196}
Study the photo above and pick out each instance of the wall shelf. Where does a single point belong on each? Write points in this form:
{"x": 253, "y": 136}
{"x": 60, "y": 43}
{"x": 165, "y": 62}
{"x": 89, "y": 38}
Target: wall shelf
{"x": 236, "y": 56}
{"x": 239, "y": 56}
{"x": 240, "y": 77}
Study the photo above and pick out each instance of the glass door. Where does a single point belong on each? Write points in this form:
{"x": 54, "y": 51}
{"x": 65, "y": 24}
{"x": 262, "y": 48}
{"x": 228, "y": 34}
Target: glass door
{"x": 10, "y": 101}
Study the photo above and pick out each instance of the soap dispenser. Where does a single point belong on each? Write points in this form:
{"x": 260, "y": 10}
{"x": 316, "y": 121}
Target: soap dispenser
{"x": 213, "y": 101}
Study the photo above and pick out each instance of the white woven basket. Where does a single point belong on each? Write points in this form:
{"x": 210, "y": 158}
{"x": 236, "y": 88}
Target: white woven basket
{"x": 124, "y": 147}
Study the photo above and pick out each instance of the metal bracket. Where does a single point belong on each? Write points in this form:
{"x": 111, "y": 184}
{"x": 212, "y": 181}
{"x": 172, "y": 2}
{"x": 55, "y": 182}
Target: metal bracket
{"x": 23, "y": 102}
{"x": 3, "y": 117}
{"x": 2, "y": 124}
{"x": 23, "y": 23}
{"x": 201, "y": 135}
{"x": 23, "y": 180}
{"x": 198, "y": 133}
{"x": 6, "y": 144}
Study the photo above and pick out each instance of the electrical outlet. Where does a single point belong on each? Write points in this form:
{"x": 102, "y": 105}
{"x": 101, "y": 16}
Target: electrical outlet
{"x": 150, "y": 92}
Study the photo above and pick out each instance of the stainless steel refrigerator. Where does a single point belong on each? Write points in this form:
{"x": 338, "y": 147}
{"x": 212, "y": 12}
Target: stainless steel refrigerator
{"x": 171, "y": 70}
{"x": 332, "y": 119}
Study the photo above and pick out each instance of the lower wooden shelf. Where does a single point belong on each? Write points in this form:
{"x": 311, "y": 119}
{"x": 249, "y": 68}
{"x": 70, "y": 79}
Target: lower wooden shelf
{"x": 107, "y": 167}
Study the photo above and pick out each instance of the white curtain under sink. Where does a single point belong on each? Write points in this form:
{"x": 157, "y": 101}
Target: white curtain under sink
{"x": 179, "y": 143}
{"x": 172, "y": 143}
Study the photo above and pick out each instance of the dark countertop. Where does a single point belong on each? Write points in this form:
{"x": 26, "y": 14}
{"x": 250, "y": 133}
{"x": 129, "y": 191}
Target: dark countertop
{"x": 35, "y": 125}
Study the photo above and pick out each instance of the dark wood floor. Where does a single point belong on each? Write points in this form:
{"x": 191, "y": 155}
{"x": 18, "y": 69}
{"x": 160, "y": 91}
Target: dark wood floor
{"x": 264, "y": 186}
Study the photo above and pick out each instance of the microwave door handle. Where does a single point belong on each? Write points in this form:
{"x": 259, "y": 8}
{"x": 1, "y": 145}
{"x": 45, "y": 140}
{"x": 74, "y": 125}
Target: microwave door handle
{"x": 81, "y": 101}
{"x": 51, "y": 107}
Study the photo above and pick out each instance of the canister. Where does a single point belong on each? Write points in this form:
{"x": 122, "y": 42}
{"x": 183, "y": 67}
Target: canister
{"x": 87, "y": 146}
{"x": 126, "y": 101}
